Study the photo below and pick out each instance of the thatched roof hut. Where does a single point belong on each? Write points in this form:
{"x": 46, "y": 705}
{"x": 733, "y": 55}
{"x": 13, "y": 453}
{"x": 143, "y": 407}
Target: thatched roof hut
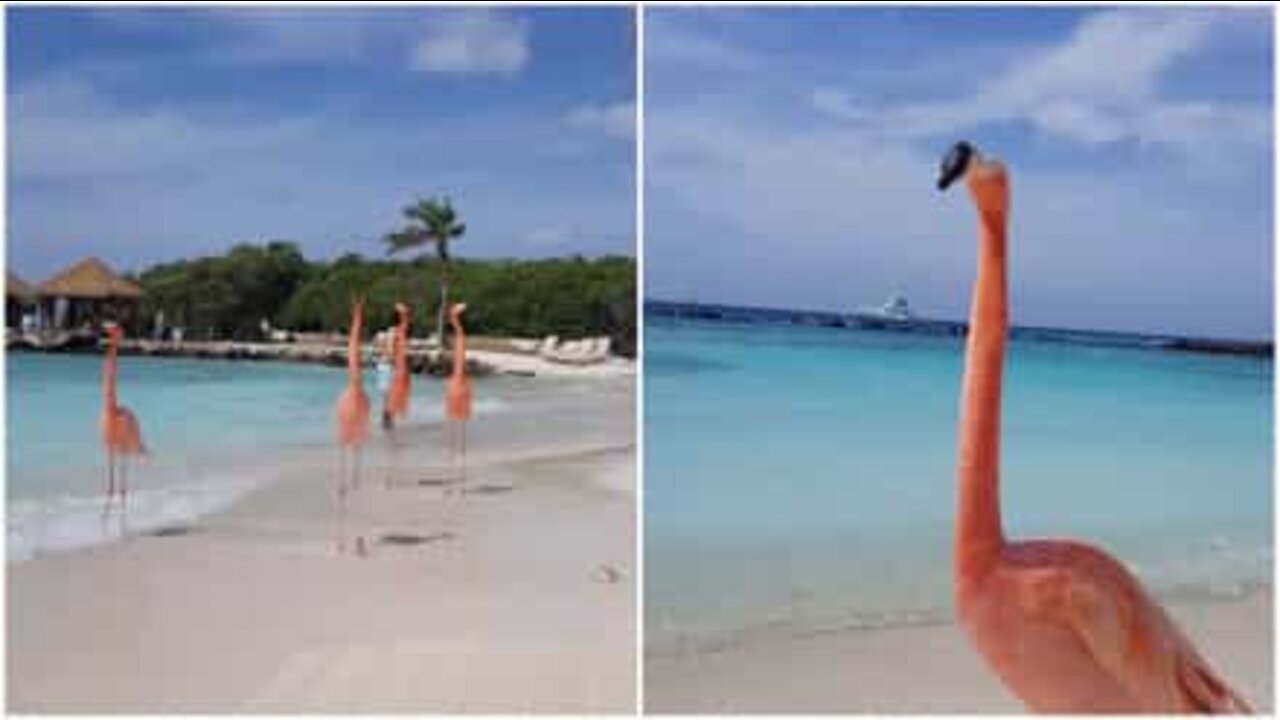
{"x": 19, "y": 289}
{"x": 90, "y": 279}
{"x": 85, "y": 294}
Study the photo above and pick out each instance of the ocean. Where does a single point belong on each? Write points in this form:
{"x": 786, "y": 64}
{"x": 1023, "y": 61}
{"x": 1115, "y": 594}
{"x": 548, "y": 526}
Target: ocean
{"x": 802, "y": 479}
{"x": 215, "y": 430}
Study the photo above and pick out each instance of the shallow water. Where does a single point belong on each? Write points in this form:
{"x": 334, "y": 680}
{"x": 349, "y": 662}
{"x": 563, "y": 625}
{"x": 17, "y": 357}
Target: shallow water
{"x": 802, "y": 479}
{"x": 214, "y": 429}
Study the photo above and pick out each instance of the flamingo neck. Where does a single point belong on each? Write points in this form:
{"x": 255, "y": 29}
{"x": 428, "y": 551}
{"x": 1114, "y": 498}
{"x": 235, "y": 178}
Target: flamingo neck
{"x": 401, "y": 344}
{"x": 109, "y": 377}
{"x": 353, "y": 351}
{"x": 979, "y": 533}
{"x": 459, "y": 348}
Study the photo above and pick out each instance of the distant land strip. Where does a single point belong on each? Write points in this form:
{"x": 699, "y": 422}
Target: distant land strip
{"x": 745, "y": 314}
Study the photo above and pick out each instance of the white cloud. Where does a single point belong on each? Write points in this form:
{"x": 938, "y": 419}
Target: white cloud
{"x": 669, "y": 40}
{"x": 616, "y": 119}
{"x": 252, "y": 36}
{"x": 62, "y": 129}
{"x": 1100, "y": 85}
{"x": 837, "y": 104}
{"x": 472, "y": 41}
{"x": 291, "y": 37}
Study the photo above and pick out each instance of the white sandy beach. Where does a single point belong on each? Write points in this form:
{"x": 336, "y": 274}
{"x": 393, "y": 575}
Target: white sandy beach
{"x": 917, "y": 669}
{"x": 518, "y": 597}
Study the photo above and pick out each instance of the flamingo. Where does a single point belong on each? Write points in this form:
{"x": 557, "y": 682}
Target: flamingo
{"x": 121, "y": 434}
{"x": 352, "y": 415}
{"x": 397, "y": 397}
{"x": 457, "y": 393}
{"x": 1066, "y": 627}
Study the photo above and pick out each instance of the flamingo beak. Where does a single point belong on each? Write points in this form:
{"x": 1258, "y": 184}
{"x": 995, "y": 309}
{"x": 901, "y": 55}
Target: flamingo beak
{"x": 955, "y": 163}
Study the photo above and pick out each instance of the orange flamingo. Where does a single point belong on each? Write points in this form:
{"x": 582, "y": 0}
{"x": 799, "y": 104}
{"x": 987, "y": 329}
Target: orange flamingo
{"x": 457, "y": 393}
{"x": 1066, "y": 627}
{"x": 121, "y": 434}
{"x": 397, "y": 397}
{"x": 352, "y": 415}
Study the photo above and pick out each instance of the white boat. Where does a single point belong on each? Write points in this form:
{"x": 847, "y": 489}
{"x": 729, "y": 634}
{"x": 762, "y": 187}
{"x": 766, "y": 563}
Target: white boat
{"x": 895, "y": 309}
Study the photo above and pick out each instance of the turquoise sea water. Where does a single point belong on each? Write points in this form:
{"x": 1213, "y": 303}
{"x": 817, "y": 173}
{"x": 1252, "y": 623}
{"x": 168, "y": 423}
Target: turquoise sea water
{"x": 215, "y": 429}
{"x": 802, "y": 479}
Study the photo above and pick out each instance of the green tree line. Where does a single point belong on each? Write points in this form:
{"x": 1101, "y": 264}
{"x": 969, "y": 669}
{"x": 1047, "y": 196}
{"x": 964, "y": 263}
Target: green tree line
{"x": 228, "y": 296}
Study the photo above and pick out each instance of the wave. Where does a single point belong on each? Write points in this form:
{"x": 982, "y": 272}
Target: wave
{"x": 66, "y": 522}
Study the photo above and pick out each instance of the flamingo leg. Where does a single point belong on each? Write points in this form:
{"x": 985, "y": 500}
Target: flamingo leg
{"x": 449, "y": 441}
{"x": 342, "y": 500}
{"x": 455, "y": 439}
{"x": 111, "y": 488}
{"x": 355, "y": 474}
{"x": 462, "y": 453}
{"x": 394, "y": 447}
{"x": 124, "y": 495}
{"x": 355, "y": 468}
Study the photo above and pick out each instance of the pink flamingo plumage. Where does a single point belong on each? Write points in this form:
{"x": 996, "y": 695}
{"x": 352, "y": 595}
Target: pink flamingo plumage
{"x": 397, "y": 398}
{"x": 121, "y": 433}
{"x": 1066, "y": 627}
{"x": 351, "y": 413}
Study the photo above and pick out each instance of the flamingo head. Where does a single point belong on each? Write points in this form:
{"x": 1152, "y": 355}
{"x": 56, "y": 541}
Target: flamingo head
{"x": 402, "y": 311}
{"x": 455, "y": 312}
{"x": 114, "y": 332}
{"x": 956, "y": 163}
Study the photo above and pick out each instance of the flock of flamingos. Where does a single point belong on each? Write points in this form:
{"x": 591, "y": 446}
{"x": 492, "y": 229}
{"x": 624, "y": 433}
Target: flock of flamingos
{"x": 1064, "y": 626}
{"x": 122, "y": 434}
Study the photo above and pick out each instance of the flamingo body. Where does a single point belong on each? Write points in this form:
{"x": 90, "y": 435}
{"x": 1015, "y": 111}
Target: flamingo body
{"x": 352, "y": 409}
{"x": 1069, "y": 629}
{"x": 121, "y": 433}
{"x": 457, "y": 392}
{"x": 352, "y": 413}
{"x": 1066, "y": 627}
{"x": 458, "y": 398}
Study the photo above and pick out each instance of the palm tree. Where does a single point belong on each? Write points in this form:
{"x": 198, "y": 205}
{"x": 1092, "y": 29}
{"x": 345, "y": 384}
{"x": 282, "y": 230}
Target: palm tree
{"x": 430, "y": 222}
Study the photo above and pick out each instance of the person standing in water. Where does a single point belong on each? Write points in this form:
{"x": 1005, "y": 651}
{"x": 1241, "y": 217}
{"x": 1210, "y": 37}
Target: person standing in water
{"x": 382, "y": 376}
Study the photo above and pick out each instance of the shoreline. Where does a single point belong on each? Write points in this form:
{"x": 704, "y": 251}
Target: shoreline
{"x": 518, "y": 597}
{"x": 771, "y": 624}
{"x": 919, "y": 668}
{"x": 490, "y": 356}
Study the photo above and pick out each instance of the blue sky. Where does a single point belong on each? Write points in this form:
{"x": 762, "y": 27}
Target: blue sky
{"x": 144, "y": 135}
{"x": 792, "y": 153}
